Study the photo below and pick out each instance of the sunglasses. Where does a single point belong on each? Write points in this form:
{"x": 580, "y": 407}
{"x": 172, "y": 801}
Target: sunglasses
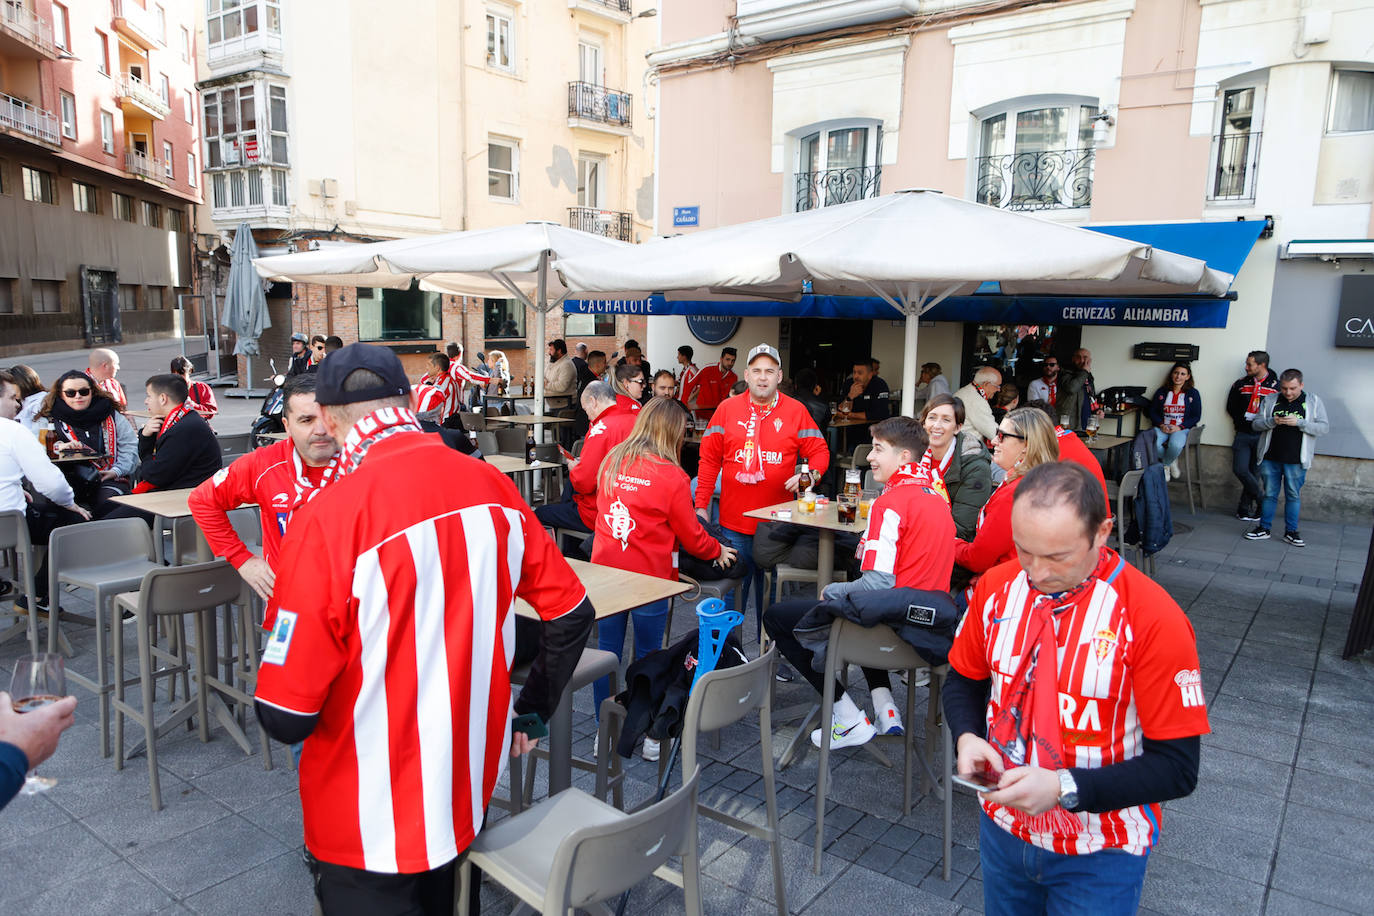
{"x": 76, "y": 392}
{"x": 635, "y": 381}
{"x": 1003, "y": 434}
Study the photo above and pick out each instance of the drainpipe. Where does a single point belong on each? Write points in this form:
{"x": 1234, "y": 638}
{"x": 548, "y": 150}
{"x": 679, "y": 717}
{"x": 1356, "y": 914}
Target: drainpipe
{"x": 463, "y": 125}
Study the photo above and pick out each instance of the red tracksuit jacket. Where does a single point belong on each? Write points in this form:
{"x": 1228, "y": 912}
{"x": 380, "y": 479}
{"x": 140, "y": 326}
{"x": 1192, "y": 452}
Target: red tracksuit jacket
{"x": 606, "y": 432}
{"x": 641, "y": 521}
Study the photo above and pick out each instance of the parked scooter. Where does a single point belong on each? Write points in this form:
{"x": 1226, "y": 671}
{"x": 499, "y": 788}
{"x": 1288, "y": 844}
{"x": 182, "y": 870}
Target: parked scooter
{"x": 270, "y": 419}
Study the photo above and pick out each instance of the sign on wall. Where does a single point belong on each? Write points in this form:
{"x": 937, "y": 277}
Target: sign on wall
{"x": 713, "y": 329}
{"x": 1355, "y": 318}
{"x": 686, "y": 216}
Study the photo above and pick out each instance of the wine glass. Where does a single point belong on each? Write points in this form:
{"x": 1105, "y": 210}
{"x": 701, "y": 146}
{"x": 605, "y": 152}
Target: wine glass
{"x": 38, "y": 681}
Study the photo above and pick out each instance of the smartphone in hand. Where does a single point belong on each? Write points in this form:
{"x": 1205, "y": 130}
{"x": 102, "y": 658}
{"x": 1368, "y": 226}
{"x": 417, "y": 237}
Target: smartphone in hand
{"x": 529, "y": 725}
{"x": 979, "y": 782}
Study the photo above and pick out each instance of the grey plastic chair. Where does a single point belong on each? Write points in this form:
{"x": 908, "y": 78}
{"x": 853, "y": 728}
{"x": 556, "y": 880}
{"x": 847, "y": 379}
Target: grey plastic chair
{"x": 1192, "y": 469}
{"x": 14, "y": 536}
{"x": 486, "y": 441}
{"x": 511, "y": 440}
{"x": 575, "y": 852}
{"x": 171, "y": 592}
{"x": 1126, "y": 491}
{"x": 880, "y": 647}
{"x": 108, "y": 557}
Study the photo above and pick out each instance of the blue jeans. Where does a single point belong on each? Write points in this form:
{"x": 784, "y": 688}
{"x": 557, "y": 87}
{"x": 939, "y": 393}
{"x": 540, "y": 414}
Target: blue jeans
{"x": 649, "y": 620}
{"x": 753, "y": 576}
{"x": 1170, "y": 445}
{"x": 1020, "y": 879}
{"x": 1293, "y": 476}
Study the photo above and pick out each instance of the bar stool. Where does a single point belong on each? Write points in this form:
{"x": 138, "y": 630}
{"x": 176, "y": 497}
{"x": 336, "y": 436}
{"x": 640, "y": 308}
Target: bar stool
{"x": 1192, "y": 469}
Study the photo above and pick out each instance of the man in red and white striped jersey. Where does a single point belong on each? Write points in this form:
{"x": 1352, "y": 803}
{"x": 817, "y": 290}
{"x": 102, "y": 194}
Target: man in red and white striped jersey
{"x": 102, "y": 367}
{"x": 1074, "y": 687}
{"x": 280, "y": 478}
{"x": 392, "y": 646}
{"x": 464, "y": 375}
{"x": 438, "y": 377}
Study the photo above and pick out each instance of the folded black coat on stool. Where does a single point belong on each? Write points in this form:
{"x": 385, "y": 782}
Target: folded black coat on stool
{"x": 926, "y": 620}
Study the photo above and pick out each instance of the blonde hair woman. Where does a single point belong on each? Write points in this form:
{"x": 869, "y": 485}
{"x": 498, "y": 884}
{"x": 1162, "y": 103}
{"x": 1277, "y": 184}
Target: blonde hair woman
{"x": 1025, "y": 438}
{"x": 643, "y": 511}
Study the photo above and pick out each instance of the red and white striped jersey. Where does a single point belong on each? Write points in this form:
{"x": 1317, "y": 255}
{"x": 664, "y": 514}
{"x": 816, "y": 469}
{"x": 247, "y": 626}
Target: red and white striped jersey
{"x": 1128, "y": 670}
{"x": 395, "y": 624}
{"x": 462, "y": 376}
{"x": 449, "y": 389}
{"x": 430, "y": 397}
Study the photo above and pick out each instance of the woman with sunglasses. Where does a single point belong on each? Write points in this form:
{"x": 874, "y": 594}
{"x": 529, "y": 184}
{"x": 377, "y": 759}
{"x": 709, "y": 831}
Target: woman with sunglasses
{"x": 85, "y": 419}
{"x": 961, "y": 459}
{"x": 1025, "y": 438}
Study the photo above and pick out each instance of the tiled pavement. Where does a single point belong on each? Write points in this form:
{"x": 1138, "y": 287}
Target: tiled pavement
{"x": 1280, "y": 822}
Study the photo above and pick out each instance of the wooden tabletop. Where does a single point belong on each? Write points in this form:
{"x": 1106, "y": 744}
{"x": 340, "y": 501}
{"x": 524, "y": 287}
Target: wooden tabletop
{"x": 166, "y": 503}
{"x": 825, "y": 518}
{"x": 277, "y": 436}
{"x": 841, "y": 424}
{"x": 1103, "y": 443}
{"x": 615, "y": 591}
{"x": 512, "y": 464}
{"x": 528, "y": 420}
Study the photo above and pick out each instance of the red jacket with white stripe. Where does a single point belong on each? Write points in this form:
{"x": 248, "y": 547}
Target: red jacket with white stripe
{"x": 910, "y": 538}
{"x": 606, "y": 432}
{"x": 786, "y": 435}
{"x": 641, "y": 521}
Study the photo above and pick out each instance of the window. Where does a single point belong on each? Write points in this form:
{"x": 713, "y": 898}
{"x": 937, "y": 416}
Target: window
{"x": 67, "y": 105}
{"x": 123, "y": 209}
{"x": 276, "y": 116}
{"x": 254, "y": 180}
{"x": 7, "y": 295}
{"x": 589, "y": 63}
{"x": 590, "y": 180}
{"x": 503, "y": 169}
{"x": 102, "y": 52}
{"x": 152, "y": 214}
{"x": 167, "y": 169}
{"x": 236, "y": 186}
{"x": 1235, "y": 148}
{"x": 191, "y": 169}
{"x": 231, "y": 126}
{"x": 154, "y": 300}
{"x": 176, "y": 219}
{"x": 107, "y": 132}
{"x": 219, "y": 190}
{"x": 185, "y": 44}
{"x": 39, "y": 186}
{"x": 60, "y": 35}
{"x": 164, "y": 88}
{"x": 45, "y": 295}
{"x": 85, "y": 197}
{"x": 398, "y": 314}
{"x": 231, "y": 19}
{"x": 1352, "y": 101}
{"x": 505, "y": 318}
{"x": 589, "y": 325}
{"x": 837, "y": 165}
{"x": 1037, "y": 156}
{"x": 278, "y": 188}
{"x": 161, "y": 15}
{"x": 128, "y": 297}
{"x": 187, "y": 108}
{"x": 500, "y": 30}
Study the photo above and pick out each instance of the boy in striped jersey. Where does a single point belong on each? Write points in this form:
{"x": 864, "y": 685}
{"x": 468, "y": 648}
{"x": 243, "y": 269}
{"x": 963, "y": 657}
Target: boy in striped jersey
{"x": 1074, "y": 686}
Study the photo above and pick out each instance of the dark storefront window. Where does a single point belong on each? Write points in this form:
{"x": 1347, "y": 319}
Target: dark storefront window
{"x": 505, "y": 319}
{"x": 589, "y": 326}
{"x": 1018, "y": 350}
{"x": 398, "y": 314}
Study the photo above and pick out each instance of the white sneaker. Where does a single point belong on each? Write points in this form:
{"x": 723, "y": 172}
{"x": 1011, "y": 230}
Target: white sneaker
{"x": 922, "y": 678}
{"x": 888, "y": 720}
{"x": 650, "y": 750}
{"x": 851, "y": 735}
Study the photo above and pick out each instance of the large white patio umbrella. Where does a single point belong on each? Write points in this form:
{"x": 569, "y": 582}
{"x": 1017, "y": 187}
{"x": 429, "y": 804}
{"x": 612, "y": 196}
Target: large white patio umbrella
{"x": 912, "y": 249}
{"x": 511, "y": 261}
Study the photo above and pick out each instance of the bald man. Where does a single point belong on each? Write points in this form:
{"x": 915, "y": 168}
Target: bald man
{"x": 102, "y": 367}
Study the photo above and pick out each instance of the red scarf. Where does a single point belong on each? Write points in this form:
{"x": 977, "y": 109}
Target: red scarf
{"x": 1054, "y": 392}
{"x": 753, "y": 454}
{"x": 368, "y": 431}
{"x": 1025, "y": 728}
{"x": 921, "y": 474}
{"x": 172, "y": 419}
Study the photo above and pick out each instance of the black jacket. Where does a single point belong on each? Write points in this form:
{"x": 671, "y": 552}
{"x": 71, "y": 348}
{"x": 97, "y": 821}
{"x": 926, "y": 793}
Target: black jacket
{"x": 1237, "y": 399}
{"x": 926, "y": 620}
{"x": 657, "y": 687}
{"x": 188, "y": 455}
{"x": 819, "y": 409}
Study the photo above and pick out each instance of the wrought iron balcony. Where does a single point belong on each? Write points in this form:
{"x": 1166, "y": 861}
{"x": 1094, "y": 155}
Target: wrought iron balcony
{"x": 23, "y": 33}
{"x": 1052, "y": 179}
{"x": 1237, "y": 163}
{"x": 590, "y": 102}
{"x": 837, "y": 186}
{"x": 19, "y": 116}
{"x": 613, "y": 224}
{"x": 132, "y": 89}
{"x": 142, "y": 165}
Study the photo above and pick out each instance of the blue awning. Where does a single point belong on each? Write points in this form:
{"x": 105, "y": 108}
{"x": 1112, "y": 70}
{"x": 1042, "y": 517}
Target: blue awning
{"x": 1223, "y": 245}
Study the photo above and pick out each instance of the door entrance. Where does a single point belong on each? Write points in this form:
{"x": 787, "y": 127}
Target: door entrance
{"x": 827, "y": 345}
{"x": 100, "y": 306}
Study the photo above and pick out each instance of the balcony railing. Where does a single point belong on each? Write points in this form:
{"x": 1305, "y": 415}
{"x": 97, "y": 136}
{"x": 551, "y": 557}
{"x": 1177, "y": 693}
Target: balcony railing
{"x": 145, "y": 96}
{"x": 29, "y": 27}
{"x": 837, "y": 186}
{"x": 591, "y": 102}
{"x": 1054, "y": 179}
{"x": 621, "y": 5}
{"x": 137, "y": 23}
{"x": 19, "y": 115}
{"x": 613, "y": 224}
{"x": 1237, "y": 162}
{"x": 141, "y": 164}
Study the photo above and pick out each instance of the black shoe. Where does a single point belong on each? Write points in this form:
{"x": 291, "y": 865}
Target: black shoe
{"x": 1258, "y": 534}
{"x": 1292, "y": 537}
{"x": 1247, "y": 513}
{"x": 783, "y": 673}
{"x": 22, "y": 604}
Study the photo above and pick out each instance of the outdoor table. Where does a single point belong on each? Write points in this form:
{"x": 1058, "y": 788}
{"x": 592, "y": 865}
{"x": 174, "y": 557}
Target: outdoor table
{"x": 167, "y": 506}
{"x": 612, "y": 591}
{"x": 826, "y": 520}
{"x": 513, "y": 464}
{"x": 843, "y": 427}
{"x": 1106, "y": 450}
{"x": 1120, "y": 415}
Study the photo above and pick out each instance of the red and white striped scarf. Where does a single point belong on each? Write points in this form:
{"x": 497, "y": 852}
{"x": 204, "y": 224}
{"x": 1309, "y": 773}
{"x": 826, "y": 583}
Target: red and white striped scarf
{"x": 753, "y": 453}
{"x": 921, "y": 473}
{"x": 110, "y": 443}
{"x": 368, "y": 431}
{"x": 174, "y": 417}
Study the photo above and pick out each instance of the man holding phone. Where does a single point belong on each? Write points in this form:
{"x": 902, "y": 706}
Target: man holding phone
{"x": 1074, "y": 691}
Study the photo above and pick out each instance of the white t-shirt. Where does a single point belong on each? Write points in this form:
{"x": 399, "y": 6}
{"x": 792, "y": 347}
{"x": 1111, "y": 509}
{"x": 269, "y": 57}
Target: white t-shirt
{"x": 21, "y": 456}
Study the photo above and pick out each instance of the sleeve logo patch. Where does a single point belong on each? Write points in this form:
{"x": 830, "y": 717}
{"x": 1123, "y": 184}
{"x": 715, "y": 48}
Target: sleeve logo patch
{"x": 1189, "y": 683}
{"x": 220, "y": 476}
{"x": 280, "y": 643}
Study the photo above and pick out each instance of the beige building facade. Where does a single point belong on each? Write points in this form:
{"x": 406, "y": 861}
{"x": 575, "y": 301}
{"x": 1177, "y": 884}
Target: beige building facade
{"x": 1094, "y": 113}
{"x": 377, "y": 122}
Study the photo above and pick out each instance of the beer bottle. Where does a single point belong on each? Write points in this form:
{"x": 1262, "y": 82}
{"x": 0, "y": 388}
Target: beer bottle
{"x": 804, "y": 480}
{"x": 529, "y": 447}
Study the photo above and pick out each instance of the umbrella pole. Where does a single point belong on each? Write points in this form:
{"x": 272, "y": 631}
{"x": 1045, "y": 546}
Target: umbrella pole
{"x": 909, "y": 365}
{"x": 541, "y": 308}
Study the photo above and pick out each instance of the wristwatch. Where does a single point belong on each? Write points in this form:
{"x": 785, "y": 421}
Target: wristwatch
{"x": 1068, "y": 790}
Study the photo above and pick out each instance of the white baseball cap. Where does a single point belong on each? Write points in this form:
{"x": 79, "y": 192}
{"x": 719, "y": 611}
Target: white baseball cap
{"x": 763, "y": 349}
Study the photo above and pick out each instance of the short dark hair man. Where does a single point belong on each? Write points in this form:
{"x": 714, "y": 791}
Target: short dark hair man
{"x": 331, "y": 343}
{"x": 1242, "y": 406}
{"x": 1289, "y": 423}
{"x": 868, "y": 398}
{"x": 176, "y": 447}
{"x": 406, "y": 721}
{"x": 1083, "y": 751}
